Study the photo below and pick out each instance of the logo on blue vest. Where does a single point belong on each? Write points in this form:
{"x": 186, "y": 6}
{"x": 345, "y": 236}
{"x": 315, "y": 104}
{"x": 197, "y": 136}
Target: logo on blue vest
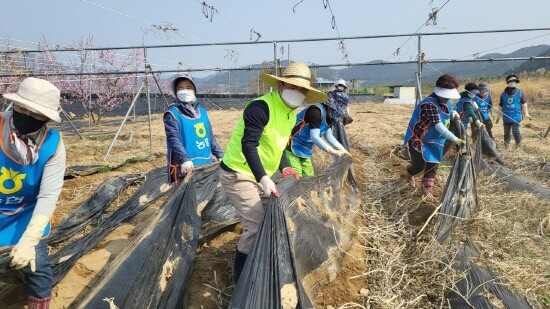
{"x": 200, "y": 130}
{"x": 10, "y": 181}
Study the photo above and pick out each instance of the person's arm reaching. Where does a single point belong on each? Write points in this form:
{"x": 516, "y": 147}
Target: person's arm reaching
{"x": 24, "y": 252}
{"x": 440, "y": 127}
{"x": 256, "y": 116}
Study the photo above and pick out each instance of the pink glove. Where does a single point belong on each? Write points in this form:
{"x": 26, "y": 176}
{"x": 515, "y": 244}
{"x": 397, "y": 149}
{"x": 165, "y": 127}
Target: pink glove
{"x": 288, "y": 171}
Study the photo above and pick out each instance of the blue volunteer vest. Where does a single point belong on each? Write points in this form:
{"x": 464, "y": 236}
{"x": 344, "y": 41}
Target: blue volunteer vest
{"x": 432, "y": 142}
{"x": 301, "y": 143}
{"x": 483, "y": 107}
{"x": 194, "y": 135}
{"x": 511, "y": 107}
{"x": 19, "y": 188}
{"x": 459, "y": 108}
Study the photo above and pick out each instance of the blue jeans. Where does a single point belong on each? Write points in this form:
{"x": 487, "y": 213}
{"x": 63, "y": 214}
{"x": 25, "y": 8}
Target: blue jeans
{"x": 514, "y": 127}
{"x": 39, "y": 283}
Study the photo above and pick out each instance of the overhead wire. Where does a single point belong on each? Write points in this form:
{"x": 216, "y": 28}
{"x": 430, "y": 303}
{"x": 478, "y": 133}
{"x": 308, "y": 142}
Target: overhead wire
{"x": 210, "y": 9}
{"x": 432, "y": 17}
{"x": 154, "y": 63}
{"x": 476, "y": 54}
{"x": 231, "y": 54}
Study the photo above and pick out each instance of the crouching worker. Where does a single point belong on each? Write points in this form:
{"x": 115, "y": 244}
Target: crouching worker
{"x": 256, "y": 150}
{"x": 312, "y": 123}
{"x": 189, "y": 136}
{"x": 32, "y": 167}
{"x": 427, "y": 132}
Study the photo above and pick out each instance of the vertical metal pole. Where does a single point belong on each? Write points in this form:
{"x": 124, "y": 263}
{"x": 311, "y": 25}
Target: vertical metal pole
{"x": 147, "y": 71}
{"x": 419, "y": 74}
{"x": 124, "y": 121}
{"x": 275, "y": 58}
{"x": 72, "y": 125}
{"x": 288, "y": 53}
{"x": 90, "y": 92}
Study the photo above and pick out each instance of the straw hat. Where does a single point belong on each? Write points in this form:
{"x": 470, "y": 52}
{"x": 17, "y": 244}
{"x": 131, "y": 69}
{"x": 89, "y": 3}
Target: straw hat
{"x": 39, "y": 96}
{"x": 297, "y": 74}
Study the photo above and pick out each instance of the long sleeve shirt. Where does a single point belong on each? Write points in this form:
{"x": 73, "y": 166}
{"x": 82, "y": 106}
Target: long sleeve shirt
{"x": 256, "y": 117}
{"x": 179, "y": 154}
{"x": 429, "y": 115}
{"x": 52, "y": 175}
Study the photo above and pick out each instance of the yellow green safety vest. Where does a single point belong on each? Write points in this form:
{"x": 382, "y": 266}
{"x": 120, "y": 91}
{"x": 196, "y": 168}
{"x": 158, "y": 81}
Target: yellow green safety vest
{"x": 272, "y": 142}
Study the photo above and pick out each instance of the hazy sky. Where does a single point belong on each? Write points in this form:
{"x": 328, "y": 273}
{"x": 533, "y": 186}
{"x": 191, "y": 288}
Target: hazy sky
{"x": 64, "y": 22}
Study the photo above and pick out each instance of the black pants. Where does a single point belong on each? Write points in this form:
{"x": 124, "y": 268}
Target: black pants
{"x": 418, "y": 165}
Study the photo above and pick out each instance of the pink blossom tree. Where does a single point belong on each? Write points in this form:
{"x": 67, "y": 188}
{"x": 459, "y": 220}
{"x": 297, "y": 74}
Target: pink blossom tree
{"x": 98, "y": 94}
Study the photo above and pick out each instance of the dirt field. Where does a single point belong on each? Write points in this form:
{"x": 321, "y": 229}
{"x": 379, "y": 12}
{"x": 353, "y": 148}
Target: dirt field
{"x": 387, "y": 265}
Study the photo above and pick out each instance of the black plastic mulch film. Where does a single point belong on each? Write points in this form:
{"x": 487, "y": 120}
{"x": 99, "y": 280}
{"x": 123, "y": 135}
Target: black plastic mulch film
{"x": 458, "y": 202}
{"x": 155, "y": 269}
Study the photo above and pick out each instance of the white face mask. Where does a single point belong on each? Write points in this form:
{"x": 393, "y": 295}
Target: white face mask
{"x": 186, "y": 95}
{"x": 293, "y": 98}
{"x": 512, "y": 84}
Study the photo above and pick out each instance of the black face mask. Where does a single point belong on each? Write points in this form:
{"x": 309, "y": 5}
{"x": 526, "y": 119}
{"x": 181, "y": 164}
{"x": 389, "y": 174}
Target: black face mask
{"x": 26, "y": 124}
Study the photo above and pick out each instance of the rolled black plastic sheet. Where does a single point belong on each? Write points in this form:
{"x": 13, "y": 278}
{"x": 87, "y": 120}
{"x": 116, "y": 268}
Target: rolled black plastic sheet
{"x": 458, "y": 202}
{"x": 472, "y": 291}
{"x": 297, "y": 248}
{"x": 153, "y": 272}
{"x": 485, "y": 145}
{"x": 91, "y": 209}
{"x": 460, "y": 194}
{"x": 155, "y": 269}
{"x": 341, "y": 136}
{"x": 152, "y": 189}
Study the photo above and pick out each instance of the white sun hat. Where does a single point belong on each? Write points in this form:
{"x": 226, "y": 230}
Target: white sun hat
{"x": 39, "y": 96}
{"x": 447, "y": 93}
{"x": 342, "y": 82}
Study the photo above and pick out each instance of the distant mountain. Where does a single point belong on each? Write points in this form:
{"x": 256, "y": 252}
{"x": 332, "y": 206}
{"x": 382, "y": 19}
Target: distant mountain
{"x": 393, "y": 74}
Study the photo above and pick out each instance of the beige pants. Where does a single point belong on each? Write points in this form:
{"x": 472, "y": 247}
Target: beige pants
{"x": 244, "y": 194}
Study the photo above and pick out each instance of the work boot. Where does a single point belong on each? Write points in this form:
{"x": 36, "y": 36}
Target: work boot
{"x": 38, "y": 303}
{"x": 518, "y": 145}
{"x": 240, "y": 259}
{"x": 427, "y": 188}
{"x": 506, "y": 145}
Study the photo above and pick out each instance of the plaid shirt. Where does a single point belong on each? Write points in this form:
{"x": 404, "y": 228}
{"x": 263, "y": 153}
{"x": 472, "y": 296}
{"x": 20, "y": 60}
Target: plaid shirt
{"x": 428, "y": 116}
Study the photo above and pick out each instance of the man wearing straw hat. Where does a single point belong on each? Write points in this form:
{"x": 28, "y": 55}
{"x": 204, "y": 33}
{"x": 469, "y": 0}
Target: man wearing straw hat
{"x": 32, "y": 165}
{"x": 256, "y": 149}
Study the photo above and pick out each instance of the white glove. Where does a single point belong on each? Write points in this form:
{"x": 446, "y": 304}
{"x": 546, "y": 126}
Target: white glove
{"x": 24, "y": 252}
{"x": 269, "y": 186}
{"x": 499, "y": 114}
{"x": 187, "y": 167}
{"x": 474, "y": 105}
{"x": 342, "y": 148}
{"x": 479, "y": 124}
{"x": 459, "y": 142}
{"x": 335, "y": 152}
{"x": 456, "y": 114}
{"x": 525, "y": 111}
